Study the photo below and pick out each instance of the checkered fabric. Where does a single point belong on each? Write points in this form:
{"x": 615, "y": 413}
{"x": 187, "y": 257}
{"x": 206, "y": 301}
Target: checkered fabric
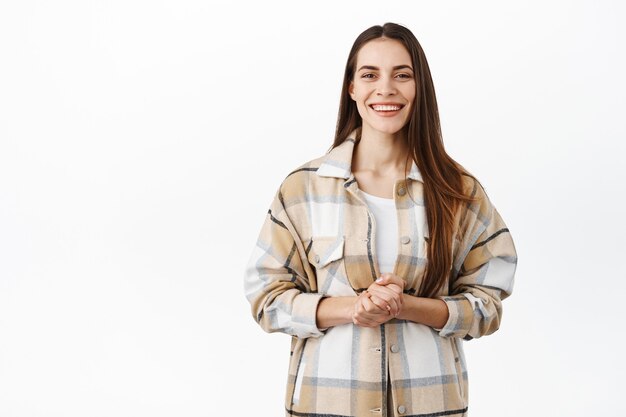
{"x": 318, "y": 241}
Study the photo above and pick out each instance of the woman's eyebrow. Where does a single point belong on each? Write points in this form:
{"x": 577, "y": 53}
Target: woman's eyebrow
{"x": 397, "y": 67}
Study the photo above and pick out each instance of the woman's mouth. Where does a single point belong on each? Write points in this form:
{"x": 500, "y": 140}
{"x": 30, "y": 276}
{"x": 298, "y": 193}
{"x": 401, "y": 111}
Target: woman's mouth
{"x": 386, "y": 109}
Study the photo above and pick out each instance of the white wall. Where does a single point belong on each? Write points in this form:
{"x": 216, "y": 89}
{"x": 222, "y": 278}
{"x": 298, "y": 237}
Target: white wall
{"x": 141, "y": 143}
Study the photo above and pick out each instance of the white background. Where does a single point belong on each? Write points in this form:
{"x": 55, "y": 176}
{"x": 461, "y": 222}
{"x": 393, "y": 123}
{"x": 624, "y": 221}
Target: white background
{"x": 141, "y": 143}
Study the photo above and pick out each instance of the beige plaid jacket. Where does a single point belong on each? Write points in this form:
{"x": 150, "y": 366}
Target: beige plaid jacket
{"x": 318, "y": 241}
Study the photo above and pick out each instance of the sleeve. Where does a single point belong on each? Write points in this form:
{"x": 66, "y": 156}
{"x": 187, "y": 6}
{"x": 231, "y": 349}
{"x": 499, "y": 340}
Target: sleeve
{"x": 485, "y": 277}
{"x": 276, "y": 281}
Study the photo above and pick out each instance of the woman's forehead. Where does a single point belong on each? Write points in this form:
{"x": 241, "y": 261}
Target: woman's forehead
{"x": 383, "y": 52}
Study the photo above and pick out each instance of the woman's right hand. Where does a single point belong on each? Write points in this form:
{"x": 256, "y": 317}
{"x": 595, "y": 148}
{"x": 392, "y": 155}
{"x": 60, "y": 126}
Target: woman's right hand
{"x": 368, "y": 314}
{"x": 386, "y": 293}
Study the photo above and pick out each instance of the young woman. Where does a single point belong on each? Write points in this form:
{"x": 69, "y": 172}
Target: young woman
{"x": 381, "y": 256}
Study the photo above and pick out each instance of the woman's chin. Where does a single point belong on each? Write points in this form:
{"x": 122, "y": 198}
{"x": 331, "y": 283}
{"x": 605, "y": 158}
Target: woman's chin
{"x": 386, "y": 128}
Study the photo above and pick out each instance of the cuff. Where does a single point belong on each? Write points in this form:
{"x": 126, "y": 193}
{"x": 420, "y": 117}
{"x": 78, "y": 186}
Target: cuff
{"x": 460, "y": 316}
{"x": 304, "y": 315}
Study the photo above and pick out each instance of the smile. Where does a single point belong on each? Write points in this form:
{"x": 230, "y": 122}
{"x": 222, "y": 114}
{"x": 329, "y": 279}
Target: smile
{"x": 386, "y": 107}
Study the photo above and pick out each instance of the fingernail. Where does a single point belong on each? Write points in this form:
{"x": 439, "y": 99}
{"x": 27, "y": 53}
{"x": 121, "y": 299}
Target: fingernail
{"x": 380, "y": 279}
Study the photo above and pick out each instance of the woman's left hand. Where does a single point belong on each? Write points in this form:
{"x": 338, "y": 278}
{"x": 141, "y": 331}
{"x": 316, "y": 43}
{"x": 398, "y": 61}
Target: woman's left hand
{"x": 386, "y": 293}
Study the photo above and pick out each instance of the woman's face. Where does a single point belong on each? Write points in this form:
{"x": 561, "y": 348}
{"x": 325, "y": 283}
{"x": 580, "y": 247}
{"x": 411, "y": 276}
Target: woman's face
{"x": 383, "y": 86}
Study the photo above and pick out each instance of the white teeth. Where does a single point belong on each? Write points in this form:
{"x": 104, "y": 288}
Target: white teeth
{"x": 379, "y": 107}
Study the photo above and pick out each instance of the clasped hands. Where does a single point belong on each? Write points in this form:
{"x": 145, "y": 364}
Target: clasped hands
{"x": 381, "y": 302}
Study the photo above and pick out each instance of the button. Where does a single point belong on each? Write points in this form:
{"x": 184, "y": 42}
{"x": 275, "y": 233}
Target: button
{"x": 317, "y": 259}
{"x": 401, "y": 409}
{"x": 405, "y": 240}
{"x": 395, "y": 348}
{"x": 401, "y": 191}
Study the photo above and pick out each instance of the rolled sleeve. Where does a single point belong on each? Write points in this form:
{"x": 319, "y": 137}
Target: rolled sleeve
{"x": 460, "y": 316}
{"x": 278, "y": 284}
{"x": 485, "y": 278}
{"x": 302, "y": 322}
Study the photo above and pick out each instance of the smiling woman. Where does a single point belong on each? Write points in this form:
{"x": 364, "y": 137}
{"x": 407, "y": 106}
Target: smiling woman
{"x": 384, "y": 93}
{"x": 381, "y": 256}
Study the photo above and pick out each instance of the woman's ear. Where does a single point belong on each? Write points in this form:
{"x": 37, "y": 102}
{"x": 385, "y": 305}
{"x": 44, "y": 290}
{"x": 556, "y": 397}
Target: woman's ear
{"x": 351, "y": 90}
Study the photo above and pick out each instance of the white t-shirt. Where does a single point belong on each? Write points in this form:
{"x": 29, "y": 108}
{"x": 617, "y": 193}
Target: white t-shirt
{"x": 386, "y": 241}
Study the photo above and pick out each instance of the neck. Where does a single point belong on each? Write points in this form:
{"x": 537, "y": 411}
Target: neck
{"x": 380, "y": 153}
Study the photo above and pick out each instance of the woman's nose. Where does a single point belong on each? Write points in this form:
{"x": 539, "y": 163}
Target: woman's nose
{"x": 386, "y": 87}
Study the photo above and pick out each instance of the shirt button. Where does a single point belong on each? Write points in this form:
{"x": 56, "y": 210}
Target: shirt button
{"x": 401, "y": 191}
{"x": 401, "y": 409}
{"x": 405, "y": 240}
{"x": 317, "y": 259}
{"x": 395, "y": 348}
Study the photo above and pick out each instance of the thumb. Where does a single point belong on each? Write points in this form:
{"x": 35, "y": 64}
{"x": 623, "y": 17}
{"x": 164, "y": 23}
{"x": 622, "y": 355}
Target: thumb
{"x": 387, "y": 278}
{"x": 384, "y": 279}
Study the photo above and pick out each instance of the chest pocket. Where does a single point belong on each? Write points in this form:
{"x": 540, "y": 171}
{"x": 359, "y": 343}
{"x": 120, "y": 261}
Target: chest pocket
{"x": 327, "y": 257}
{"x": 325, "y": 250}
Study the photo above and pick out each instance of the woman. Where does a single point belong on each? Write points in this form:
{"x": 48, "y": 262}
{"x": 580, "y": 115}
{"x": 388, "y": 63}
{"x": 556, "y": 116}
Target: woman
{"x": 381, "y": 256}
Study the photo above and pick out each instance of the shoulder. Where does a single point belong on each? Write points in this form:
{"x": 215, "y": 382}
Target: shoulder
{"x": 324, "y": 174}
{"x": 479, "y": 208}
{"x": 472, "y": 187}
{"x": 299, "y": 179}
{"x": 306, "y": 169}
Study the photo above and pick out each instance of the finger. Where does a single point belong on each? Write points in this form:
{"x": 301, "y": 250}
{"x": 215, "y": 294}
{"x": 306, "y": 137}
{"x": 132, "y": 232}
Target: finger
{"x": 390, "y": 302}
{"x": 363, "y": 321}
{"x": 393, "y": 299}
{"x": 370, "y": 307}
{"x": 395, "y": 288}
{"x": 384, "y": 291}
{"x": 359, "y": 301}
{"x": 380, "y": 303}
{"x": 374, "y": 312}
{"x": 392, "y": 287}
{"x": 394, "y": 307}
{"x": 358, "y": 305}
{"x": 364, "y": 308}
{"x": 368, "y": 314}
{"x": 387, "y": 278}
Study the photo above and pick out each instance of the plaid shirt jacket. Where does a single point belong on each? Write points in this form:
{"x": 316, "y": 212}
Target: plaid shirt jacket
{"x": 318, "y": 241}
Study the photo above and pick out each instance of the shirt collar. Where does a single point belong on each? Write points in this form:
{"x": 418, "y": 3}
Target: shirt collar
{"x": 338, "y": 161}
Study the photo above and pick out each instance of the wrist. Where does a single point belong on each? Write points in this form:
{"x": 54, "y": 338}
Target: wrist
{"x": 407, "y": 301}
{"x": 431, "y": 312}
{"x": 335, "y": 311}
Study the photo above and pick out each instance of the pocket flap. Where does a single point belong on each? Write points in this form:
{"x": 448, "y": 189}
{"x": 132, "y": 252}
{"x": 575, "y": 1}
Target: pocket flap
{"x": 325, "y": 250}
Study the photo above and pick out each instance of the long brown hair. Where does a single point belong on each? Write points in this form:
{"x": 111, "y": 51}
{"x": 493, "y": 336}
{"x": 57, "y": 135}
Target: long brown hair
{"x": 443, "y": 183}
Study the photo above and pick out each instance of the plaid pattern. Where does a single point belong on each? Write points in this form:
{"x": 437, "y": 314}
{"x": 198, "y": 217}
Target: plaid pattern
{"x": 318, "y": 241}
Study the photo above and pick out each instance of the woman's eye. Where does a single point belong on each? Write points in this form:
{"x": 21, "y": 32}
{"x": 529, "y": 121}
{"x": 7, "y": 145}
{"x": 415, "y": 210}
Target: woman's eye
{"x": 404, "y": 76}
{"x": 368, "y": 75}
